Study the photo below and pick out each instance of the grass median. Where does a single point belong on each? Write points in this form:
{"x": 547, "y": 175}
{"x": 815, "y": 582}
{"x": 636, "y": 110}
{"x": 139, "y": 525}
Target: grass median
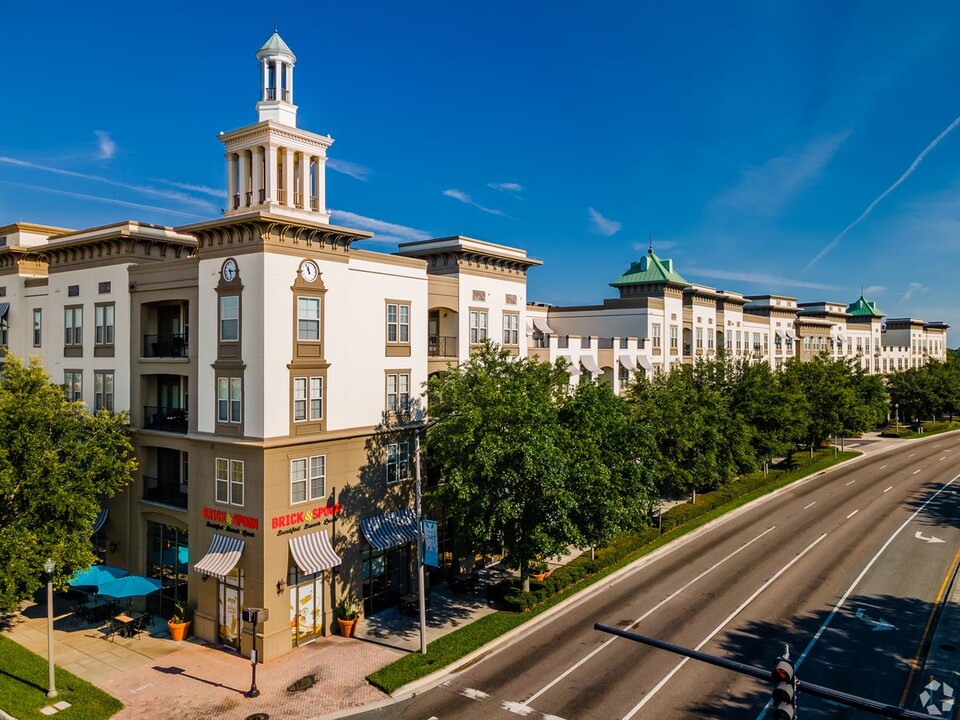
{"x": 449, "y": 648}
{"x": 23, "y": 688}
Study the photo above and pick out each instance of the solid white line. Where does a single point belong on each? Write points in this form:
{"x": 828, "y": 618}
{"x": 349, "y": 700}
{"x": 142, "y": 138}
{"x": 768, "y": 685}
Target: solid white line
{"x": 916, "y": 471}
{"x": 807, "y": 507}
{"x": 941, "y": 458}
{"x": 889, "y": 489}
{"x": 857, "y": 580}
{"x": 647, "y": 614}
{"x": 852, "y": 514}
{"x": 851, "y": 482}
{"x": 882, "y": 467}
{"x": 636, "y": 708}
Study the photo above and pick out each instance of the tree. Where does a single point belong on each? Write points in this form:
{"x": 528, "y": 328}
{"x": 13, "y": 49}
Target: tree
{"x": 768, "y": 408}
{"x": 503, "y": 455}
{"x": 57, "y": 462}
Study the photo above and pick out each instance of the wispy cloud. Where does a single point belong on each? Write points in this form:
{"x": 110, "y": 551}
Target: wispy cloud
{"x": 354, "y": 170}
{"x": 870, "y": 290}
{"x": 385, "y": 232}
{"x": 510, "y": 187}
{"x": 602, "y": 225}
{"x": 764, "y": 190}
{"x": 913, "y": 289}
{"x": 768, "y": 280}
{"x": 466, "y": 199}
{"x": 104, "y": 200}
{"x": 165, "y": 194}
{"x": 106, "y": 146}
{"x": 907, "y": 173}
{"x": 218, "y": 193}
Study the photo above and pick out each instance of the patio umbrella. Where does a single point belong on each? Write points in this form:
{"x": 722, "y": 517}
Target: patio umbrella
{"x": 130, "y": 586}
{"x": 96, "y": 575}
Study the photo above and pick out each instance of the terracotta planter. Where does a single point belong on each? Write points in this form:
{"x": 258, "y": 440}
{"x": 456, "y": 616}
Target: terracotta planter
{"x": 348, "y": 627}
{"x": 178, "y": 631}
{"x": 541, "y": 576}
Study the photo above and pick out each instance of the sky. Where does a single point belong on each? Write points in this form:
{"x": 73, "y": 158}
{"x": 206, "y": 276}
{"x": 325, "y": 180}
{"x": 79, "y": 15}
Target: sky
{"x": 807, "y": 149}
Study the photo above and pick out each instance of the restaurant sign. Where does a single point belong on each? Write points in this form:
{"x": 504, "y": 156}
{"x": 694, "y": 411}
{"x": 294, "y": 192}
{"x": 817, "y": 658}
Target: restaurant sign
{"x": 231, "y": 522}
{"x": 304, "y": 519}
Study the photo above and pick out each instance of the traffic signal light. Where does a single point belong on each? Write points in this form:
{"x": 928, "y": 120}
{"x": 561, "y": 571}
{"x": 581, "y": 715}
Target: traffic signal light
{"x": 784, "y": 690}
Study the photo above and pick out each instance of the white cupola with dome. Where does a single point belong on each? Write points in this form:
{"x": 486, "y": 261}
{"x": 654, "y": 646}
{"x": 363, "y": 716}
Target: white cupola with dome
{"x": 272, "y": 166}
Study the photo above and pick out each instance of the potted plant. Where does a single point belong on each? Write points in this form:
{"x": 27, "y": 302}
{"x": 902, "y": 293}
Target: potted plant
{"x": 347, "y": 617}
{"x": 179, "y": 624}
{"x": 539, "y": 570}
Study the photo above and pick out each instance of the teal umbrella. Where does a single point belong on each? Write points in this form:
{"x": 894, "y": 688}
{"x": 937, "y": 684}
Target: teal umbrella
{"x": 96, "y": 575}
{"x": 129, "y": 586}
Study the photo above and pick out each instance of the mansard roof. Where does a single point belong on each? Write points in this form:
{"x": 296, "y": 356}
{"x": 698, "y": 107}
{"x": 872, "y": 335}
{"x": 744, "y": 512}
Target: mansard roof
{"x": 650, "y": 270}
{"x": 864, "y": 308}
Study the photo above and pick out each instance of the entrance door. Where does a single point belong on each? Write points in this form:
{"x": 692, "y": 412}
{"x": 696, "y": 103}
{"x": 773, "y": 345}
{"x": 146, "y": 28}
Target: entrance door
{"x": 230, "y": 602}
{"x": 306, "y": 608}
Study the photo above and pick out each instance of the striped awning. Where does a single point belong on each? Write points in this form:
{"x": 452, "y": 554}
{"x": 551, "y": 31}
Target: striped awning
{"x": 541, "y": 325}
{"x": 100, "y": 521}
{"x": 791, "y": 334}
{"x": 841, "y": 337}
{"x": 781, "y": 334}
{"x": 590, "y": 364}
{"x": 221, "y": 558}
{"x": 4, "y": 307}
{"x": 390, "y": 529}
{"x": 572, "y": 367}
{"x": 628, "y": 362}
{"x": 645, "y": 363}
{"x": 313, "y": 552}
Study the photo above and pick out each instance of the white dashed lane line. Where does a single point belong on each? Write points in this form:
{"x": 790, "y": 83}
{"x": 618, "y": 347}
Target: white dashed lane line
{"x": 851, "y": 482}
{"x": 807, "y": 507}
{"x": 889, "y": 489}
{"x": 916, "y": 471}
{"x": 853, "y": 513}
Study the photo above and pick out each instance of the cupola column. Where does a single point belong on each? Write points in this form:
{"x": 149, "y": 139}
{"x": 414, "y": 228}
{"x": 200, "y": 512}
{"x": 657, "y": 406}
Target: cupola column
{"x": 288, "y": 175}
{"x": 258, "y": 191}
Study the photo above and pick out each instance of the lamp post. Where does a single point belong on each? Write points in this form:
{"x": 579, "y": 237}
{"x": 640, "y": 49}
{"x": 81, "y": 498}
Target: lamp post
{"x": 896, "y": 409}
{"x": 419, "y": 513}
{"x": 48, "y": 567}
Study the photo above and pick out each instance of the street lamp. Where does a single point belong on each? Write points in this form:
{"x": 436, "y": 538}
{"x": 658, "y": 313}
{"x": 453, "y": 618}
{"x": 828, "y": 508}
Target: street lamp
{"x": 896, "y": 409}
{"x": 419, "y": 514}
{"x": 48, "y": 567}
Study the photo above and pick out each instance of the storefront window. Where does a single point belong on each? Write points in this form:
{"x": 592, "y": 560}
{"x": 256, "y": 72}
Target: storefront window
{"x": 167, "y": 560}
{"x": 306, "y": 605}
{"x": 387, "y": 576}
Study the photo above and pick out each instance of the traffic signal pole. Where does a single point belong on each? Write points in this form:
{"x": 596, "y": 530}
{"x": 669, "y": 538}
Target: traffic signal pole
{"x": 854, "y": 701}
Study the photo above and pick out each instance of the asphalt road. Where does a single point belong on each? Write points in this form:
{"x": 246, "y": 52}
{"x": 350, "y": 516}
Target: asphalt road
{"x": 845, "y": 568}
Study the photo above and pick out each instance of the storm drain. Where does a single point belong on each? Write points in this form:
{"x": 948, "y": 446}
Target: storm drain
{"x": 304, "y": 683}
{"x": 257, "y": 716}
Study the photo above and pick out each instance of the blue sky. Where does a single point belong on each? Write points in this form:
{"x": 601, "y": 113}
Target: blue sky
{"x": 801, "y": 148}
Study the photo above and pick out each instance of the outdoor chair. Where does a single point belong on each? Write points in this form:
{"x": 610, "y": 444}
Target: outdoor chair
{"x": 139, "y": 626}
{"x": 111, "y": 630}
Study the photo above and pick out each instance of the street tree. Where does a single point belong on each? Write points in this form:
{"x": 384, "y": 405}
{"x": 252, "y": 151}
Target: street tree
{"x": 58, "y": 462}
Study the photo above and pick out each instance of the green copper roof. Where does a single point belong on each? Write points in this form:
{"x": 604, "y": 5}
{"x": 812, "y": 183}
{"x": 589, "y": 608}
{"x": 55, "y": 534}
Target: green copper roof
{"x": 649, "y": 270}
{"x": 864, "y": 308}
{"x": 275, "y": 45}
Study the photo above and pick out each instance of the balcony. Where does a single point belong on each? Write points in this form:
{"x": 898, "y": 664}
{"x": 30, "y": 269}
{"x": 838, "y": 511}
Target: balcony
{"x": 165, "y": 419}
{"x": 442, "y": 346}
{"x": 169, "y": 345}
{"x": 168, "y": 491}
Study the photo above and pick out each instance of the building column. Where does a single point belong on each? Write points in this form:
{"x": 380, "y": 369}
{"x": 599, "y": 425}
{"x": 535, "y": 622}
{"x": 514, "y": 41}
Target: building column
{"x": 259, "y": 195}
{"x": 244, "y": 172}
{"x": 270, "y": 176}
{"x": 264, "y": 78}
{"x": 320, "y": 183}
{"x": 305, "y": 179}
{"x": 231, "y": 180}
{"x": 288, "y": 175}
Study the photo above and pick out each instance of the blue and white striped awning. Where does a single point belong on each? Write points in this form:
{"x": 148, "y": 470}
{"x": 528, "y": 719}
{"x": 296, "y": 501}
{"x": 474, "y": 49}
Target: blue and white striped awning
{"x": 100, "y": 521}
{"x": 221, "y": 558}
{"x": 4, "y": 307}
{"x": 313, "y": 552}
{"x": 390, "y": 529}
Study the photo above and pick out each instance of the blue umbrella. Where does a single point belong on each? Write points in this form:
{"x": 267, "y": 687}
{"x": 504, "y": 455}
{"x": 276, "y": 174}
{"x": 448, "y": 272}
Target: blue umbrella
{"x": 129, "y": 586}
{"x": 96, "y": 575}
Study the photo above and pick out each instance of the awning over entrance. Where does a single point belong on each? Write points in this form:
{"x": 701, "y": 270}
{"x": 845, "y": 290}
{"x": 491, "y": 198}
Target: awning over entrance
{"x": 313, "y": 552}
{"x": 541, "y": 325}
{"x": 645, "y": 363}
{"x": 590, "y": 364}
{"x": 4, "y": 307}
{"x": 628, "y": 362}
{"x": 100, "y": 521}
{"x": 390, "y": 529}
{"x": 221, "y": 558}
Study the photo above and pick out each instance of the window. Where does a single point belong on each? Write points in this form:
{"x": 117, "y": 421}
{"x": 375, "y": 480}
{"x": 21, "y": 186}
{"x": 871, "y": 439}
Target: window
{"x": 511, "y": 329}
{"x": 806, "y": 343}
{"x": 229, "y": 481}
{"x": 308, "y": 318}
{"x": 673, "y": 337}
{"x": 307, "y": 399}
{"x": 398, "y": 323}
{"x": 37, "y": 325}
{"x": 478, "y": 326}
{"x": 398, "y": 461}
{"x": 103, "y": 320}
{"x": 73, "y": 385}
{"x": 623, "y": 375}
{"x": 699, "y": 338}
{"x": 756, "y": 342}
{"x": 656, "y": 335}
{"x": 73, "y": 326}
{"x": 230, "y": 318}
{"x": 4, "y": 331}
{"x": 398, "y": 392}
{"x": 710, "y": 340}
{"x": 104, "y": 287}
{"x": 308, "y": 478}
{"x": 103, "y": 390}
{"x": 739, "y": 341}
{"x": 229, "y": 399}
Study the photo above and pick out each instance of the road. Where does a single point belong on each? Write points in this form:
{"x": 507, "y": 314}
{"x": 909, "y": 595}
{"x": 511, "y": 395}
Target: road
{"x": 845, "y": 568}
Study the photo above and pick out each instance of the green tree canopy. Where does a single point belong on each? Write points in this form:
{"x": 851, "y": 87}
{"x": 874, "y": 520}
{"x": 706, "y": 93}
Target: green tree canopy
{"x": 57, "y": 462}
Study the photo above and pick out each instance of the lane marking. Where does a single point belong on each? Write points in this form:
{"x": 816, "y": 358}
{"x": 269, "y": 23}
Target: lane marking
{"x": 911, "y": 455}
{"x": 636, "y": 708}
{"x": 647, "y": 614}
{"x": 882, "y": 467}
{"x": 941, "y": 458}
{"x": 853, "y": 513}
{"x": 807, "y": 507}
{"x": 916, "y": 471}
{"x": 474, "y": 694}
{"x": 856, "y": 581}
{"x": 516, "y": 708}
{"x": 889, "y": 489}
{"x": 851, "y": 482}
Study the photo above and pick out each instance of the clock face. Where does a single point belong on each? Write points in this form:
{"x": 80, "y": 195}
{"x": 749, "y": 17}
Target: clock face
{"x": 309, "y": 271}
{"x": 229, "y": 270}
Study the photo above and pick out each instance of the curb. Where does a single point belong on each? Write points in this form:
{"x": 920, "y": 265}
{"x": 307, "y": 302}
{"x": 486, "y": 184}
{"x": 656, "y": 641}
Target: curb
{"x": 942, "y": 660}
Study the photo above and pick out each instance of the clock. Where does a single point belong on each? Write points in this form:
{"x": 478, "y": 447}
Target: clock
{"x": 229, "y": 270}
{"x": 309, "y": 271}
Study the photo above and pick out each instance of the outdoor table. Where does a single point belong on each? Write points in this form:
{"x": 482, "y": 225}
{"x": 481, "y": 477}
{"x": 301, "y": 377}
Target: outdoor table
{"x": 126, "y": 623}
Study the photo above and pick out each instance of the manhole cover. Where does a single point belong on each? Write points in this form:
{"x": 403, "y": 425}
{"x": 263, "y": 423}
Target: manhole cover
{"x": 302, "y": 684}
{"x": 257, "y": 716}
